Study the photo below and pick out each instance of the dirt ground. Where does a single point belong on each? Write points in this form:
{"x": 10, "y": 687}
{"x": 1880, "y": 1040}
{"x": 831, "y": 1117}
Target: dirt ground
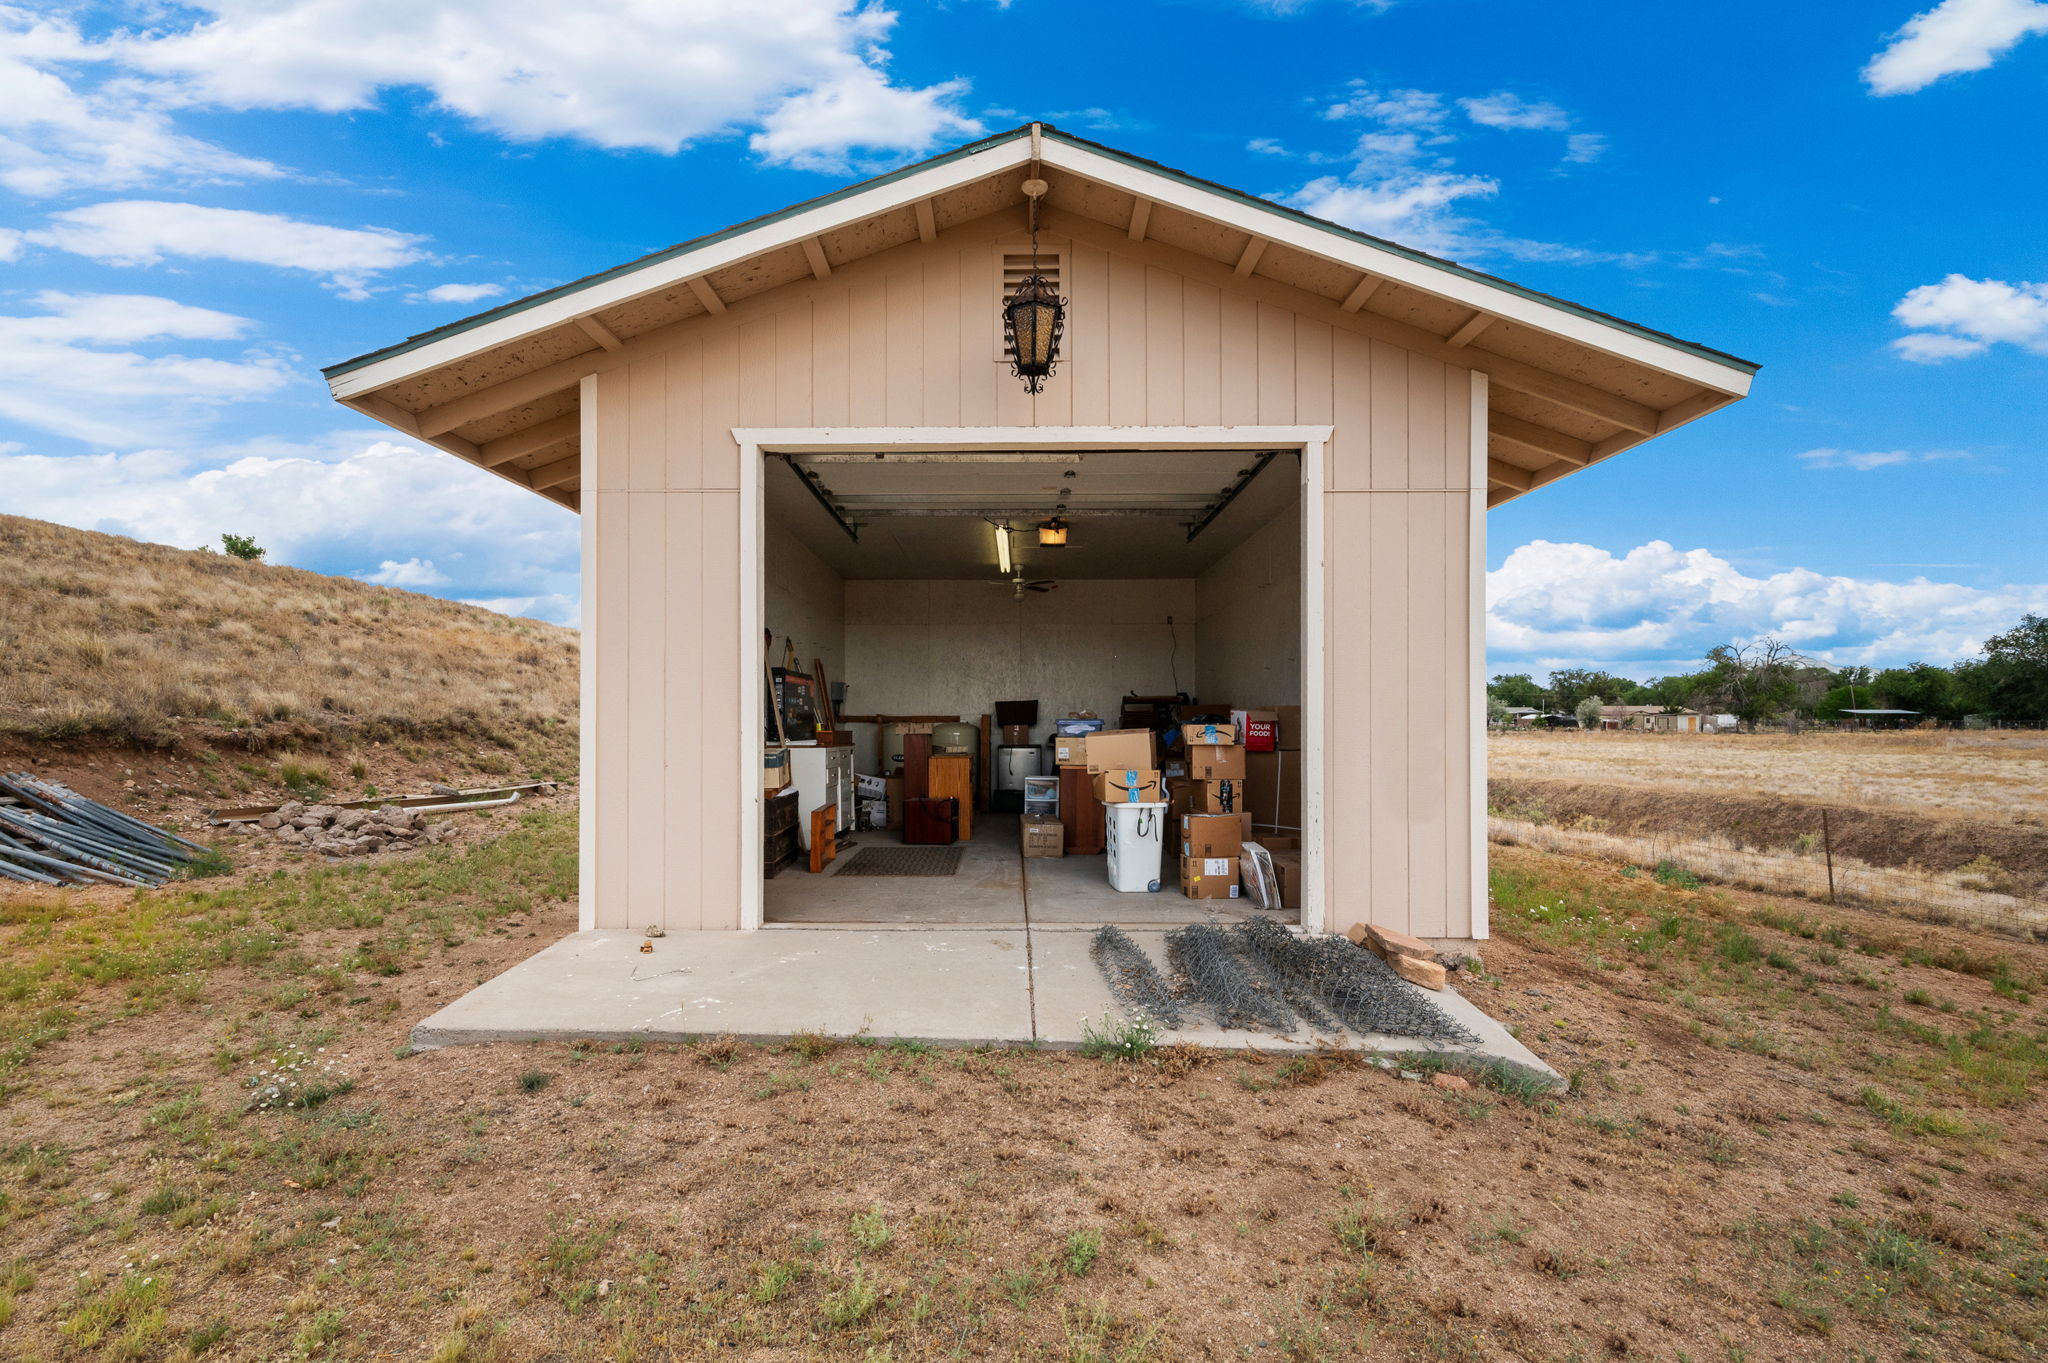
{"x": 1791, "y": 1136}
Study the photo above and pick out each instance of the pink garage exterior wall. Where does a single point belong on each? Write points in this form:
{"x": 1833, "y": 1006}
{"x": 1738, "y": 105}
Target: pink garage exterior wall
{"x": 1157, "y": 337}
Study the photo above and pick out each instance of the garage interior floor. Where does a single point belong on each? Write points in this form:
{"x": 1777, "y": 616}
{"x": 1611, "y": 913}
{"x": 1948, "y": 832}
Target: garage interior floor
{"x": 996, "y": 886}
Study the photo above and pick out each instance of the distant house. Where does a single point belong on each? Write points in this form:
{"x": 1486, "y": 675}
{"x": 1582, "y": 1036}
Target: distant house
{"x": 1522, "y": 715}
{"x": 1653, "y": 718}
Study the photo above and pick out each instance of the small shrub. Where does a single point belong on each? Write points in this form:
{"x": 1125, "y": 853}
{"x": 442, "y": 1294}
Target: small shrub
{"x": 851, "y": 1303}
{"x": 297, "y": 1078}
{"x": 1672, "y": 874}
{"x": 533, "y": 1081}
{"x": 1115, "y": 1038}
{"x": 773, "y": 1279}
{"x": 870, "y": 1232}
{"x": 1084, "y": 1247}
{"x": 164, "y": 1201}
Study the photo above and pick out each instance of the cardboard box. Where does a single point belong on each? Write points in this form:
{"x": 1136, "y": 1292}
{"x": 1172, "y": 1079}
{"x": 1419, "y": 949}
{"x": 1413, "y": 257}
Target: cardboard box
{"x": 1129, "y": 787}
{"x": 1274, "y": 841}
{"x": 1122, "y": 750}
{"x": 1043, "y": 837}
{"x": 1290, "y": 727}
{"x": 1258, "y": 730}
{"x": 1213, "y": 734}
{"x": 1070, "y": 750}
{"x": 1273, "y": 789}
{"x": 1216, "y": 762}
{"x": 1212, "y": 835}
{"x": 774, "y": 772}
{"x": 1287, "y": 870}
{"x": 1210, "y": 878}
{"x": 1218, "y": 797}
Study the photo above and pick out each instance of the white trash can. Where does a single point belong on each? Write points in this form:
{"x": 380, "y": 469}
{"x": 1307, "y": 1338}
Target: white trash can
{"x": 1136, "y": 839}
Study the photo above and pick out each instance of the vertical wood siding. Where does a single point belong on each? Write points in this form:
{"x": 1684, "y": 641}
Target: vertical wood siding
{"x": 1156, "y": 338}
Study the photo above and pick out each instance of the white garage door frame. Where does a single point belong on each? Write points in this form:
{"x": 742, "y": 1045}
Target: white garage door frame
{"x": 756, "y": 443}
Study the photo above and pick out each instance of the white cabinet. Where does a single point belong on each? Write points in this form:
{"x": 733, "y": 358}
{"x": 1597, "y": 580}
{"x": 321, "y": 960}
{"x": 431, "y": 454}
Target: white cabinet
{"x": 822, "y": 776}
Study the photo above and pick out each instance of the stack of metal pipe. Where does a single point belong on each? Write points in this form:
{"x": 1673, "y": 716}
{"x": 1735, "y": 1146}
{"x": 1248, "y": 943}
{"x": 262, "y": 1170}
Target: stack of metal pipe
{"x": 52, "y": 835}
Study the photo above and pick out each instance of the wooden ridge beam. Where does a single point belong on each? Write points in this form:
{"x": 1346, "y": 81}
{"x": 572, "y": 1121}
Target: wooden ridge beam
{"x": 1510, "y": 475}
{"x": 599, "y": 332}
{"x": 1541, "y": 439}
{"x": 1465, "y": 335}
{"x": 707, "y": 295}
{"x": 557, "y": 473}
{"x": 814, "y": 252}
{"x": 1368, "y": 285}
{"x": 538, "y": 436}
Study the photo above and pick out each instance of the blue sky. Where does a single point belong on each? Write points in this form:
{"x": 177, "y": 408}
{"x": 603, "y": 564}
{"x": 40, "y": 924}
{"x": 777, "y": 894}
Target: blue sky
{"x": 200, "y": 205}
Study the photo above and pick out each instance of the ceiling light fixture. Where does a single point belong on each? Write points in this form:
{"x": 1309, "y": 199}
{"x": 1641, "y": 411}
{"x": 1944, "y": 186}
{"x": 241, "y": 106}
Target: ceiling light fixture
{"x": 1035, "y": 315}
{"x": 1052, "y": 534}
{"x": 1003, "y": 549}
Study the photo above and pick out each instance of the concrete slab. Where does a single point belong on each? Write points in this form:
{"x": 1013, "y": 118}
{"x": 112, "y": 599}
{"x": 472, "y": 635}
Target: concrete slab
{"x": 947, "y": 986}
{"x": 956, "y": 988}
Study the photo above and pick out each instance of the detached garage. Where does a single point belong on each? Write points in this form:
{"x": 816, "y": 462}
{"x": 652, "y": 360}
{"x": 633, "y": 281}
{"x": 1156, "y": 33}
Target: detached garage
{"x": 935, "y": 528}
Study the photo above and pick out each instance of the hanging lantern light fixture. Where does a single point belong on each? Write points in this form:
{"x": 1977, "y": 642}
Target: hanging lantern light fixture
{"x": 1052, "y": 534}
{"x": 1034, "y": 315}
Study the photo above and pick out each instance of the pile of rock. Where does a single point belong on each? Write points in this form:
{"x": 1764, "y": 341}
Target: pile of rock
{"x": 337, "y": 832}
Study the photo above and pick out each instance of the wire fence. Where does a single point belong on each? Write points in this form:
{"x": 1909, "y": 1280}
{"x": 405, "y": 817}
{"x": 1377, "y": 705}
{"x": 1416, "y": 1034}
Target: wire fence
{"x": 1979, "y": 895}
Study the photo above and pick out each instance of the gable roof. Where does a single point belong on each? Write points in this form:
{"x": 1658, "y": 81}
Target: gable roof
{"x": 1570, "y": 384}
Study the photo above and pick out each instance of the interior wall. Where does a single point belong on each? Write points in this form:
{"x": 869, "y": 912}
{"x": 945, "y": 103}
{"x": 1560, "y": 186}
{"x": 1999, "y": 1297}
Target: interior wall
{"x": 1248, "y": 618}
{"x": 951, "y": 647}
{"x": 804, "y": 600}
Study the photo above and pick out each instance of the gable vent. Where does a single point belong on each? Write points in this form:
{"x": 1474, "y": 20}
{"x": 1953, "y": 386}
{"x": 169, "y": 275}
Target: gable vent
{"x": 1013, "y": 268}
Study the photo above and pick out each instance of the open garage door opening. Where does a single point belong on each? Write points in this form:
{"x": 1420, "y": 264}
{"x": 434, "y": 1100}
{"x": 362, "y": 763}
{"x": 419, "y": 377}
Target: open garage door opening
{"x": 1059, "y": 687}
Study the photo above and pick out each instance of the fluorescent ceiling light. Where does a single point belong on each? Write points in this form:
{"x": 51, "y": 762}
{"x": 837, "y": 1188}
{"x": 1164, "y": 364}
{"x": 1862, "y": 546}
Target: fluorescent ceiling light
{"x": 1003, "y": 549}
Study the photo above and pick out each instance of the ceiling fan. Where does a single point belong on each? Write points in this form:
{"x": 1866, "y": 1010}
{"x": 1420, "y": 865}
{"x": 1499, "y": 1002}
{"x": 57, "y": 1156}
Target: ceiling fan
{"x": 1012, "y": 574}
{"x": 1020, "y": 584}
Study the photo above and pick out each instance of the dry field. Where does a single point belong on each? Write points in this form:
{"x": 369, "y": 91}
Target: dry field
{"x": 1950, "y": 824}
{"x": 1991, "y": 776}
{"x": 108, "y": 638}
{"x": 1792, "y": 1134}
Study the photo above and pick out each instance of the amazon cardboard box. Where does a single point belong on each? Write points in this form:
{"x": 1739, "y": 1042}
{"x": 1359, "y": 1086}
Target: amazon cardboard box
{"x": 1128, "y": 787}
{"x": 1218, "y": 797}
{"x": 1122, "y": 750}
{"x": 1213, "y": 835}
{"x": 1215, "y": 762}
{"x": 1209, "y": 878}
{"x": 1273, "y": 789}
{"x": 1070, "y": 750}
{"x": 1213, "y": 734}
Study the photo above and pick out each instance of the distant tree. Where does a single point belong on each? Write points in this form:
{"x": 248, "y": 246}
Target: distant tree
{"x": 1496, "y": 710}
{"x": 2011, "y": 679}
{"x": 241, "y": 546}
{"x": 1587, "y": 711}
{"x": 1573, "y": 684}
{"x": 1756, "y": 682}
{"x": 1920, "y": 686}
{"x": 1516, "y": 688}
{"x": 1681, "y": 691}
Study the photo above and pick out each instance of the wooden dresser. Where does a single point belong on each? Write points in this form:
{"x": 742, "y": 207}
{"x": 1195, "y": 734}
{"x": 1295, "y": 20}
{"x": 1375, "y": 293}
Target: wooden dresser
{"x": 951, "y": 775}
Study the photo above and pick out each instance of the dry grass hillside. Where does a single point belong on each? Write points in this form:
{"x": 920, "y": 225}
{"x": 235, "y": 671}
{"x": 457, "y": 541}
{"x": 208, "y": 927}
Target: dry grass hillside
{"x": 111, "y": 640}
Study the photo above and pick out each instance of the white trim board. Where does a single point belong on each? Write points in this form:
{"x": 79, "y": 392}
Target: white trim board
{"x": 1152, "y": 186}
{"x": 757, "y": 442}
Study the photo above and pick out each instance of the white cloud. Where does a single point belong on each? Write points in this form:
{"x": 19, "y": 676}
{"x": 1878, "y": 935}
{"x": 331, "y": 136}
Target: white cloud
{"x": 1657, "y": 608}
{"x": 144, "y": 232}
{"x": 58, "y": 372}
{"x": 349, "y": 500}
{"x": 809, "y": 75}
{"x": 1953, "y": 37}
{"x": 456, "y": 293}
{"x": 1863, "y": 461}
{"x": 414, "y": 572}
{"x": 1404, "y": 184}
{"x": 1961, "y": 316}
{"x": 1504, "y": 109}
{"x": 55, "y": 138}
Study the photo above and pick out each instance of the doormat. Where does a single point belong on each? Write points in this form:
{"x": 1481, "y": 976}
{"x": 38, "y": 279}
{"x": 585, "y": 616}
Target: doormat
{"x": 902, "y": 861}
